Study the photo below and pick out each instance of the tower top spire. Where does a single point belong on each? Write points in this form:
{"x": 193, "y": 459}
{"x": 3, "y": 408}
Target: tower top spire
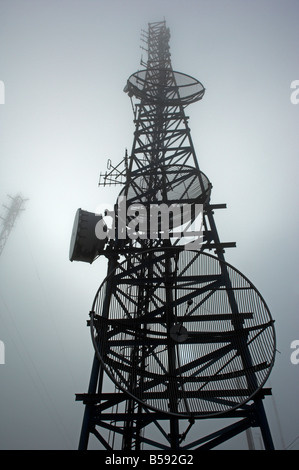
{"x": 158, "y": 82}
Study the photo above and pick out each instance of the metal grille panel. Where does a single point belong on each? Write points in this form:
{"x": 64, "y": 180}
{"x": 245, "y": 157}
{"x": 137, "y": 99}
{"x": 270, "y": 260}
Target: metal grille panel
{"x": 197, "y": 342}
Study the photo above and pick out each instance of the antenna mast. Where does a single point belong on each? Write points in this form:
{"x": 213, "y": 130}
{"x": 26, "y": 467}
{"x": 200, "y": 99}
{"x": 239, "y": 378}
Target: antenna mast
{"x": 181, "y": 334}
{"x": 12, "y": 212}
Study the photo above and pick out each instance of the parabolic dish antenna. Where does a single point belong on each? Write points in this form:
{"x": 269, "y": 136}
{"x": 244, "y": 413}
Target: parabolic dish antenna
{"x": 164, "y": 85}
{"x": 200, "y": 343}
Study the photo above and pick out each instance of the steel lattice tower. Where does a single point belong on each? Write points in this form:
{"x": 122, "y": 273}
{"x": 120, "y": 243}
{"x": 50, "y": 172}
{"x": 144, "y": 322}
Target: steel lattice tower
{"x": 182, "y": 335}
{"x": 12, "y": 213}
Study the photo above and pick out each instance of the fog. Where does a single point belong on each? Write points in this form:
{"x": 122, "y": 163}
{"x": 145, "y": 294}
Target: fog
{"x": 64, "y": 65}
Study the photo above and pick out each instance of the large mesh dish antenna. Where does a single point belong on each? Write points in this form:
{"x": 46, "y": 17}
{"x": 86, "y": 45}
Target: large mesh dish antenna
{"x": 178, "y": 186}
{"x": 175, "y": 183}
{"x": 198, "y": 341}
{"x": 164, "y": 85}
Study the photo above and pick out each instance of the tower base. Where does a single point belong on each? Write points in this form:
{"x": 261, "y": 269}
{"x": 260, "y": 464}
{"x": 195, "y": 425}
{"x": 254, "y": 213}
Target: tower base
{"x": 120, "y": 423}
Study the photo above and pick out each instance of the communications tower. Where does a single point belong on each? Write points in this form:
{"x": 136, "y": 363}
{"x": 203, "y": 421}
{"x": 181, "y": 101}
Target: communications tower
{"x": 180, "y": 336}
{"x": 12, "y": 212}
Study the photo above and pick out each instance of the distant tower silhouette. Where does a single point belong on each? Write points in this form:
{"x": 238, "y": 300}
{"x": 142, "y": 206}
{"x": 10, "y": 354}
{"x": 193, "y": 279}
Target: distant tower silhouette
{"x": 181, "y": 334}
{"x": 12, "y": 212}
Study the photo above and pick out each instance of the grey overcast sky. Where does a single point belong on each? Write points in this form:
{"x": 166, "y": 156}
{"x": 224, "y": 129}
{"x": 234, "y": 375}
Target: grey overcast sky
{"x": 64, "y": 64}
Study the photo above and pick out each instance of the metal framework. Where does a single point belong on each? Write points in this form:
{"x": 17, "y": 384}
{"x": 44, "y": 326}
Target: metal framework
{"x": 12, "y": 212}
{"x": 183, "y": 336}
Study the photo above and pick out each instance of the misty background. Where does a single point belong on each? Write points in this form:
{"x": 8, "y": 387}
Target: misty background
{"x": 64, "y": 65}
